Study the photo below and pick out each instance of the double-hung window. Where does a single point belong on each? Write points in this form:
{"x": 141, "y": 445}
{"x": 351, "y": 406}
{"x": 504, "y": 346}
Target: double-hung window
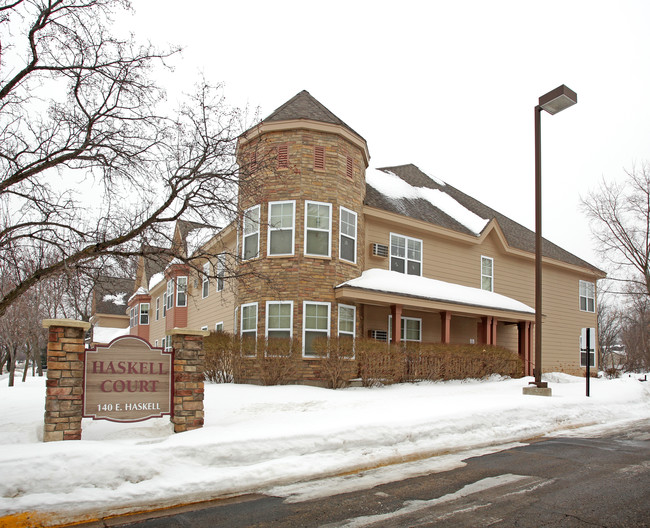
{"x": 206, "y": 280}
{"x": 405, "y": 254}
{"x": 281, "y": 228}
{"x": 144, "y": 313}
{"x": 587, "y": 296}
{"x": 251, "y": 246}
{"x": 348, "y": 236}
{"x": 318, "y": 229}
{"x": 316, "y": 323}
{"x": 249, "y": 320}
{"x": 181, "y": 291}
{"x": 221, "y": 270}
{"x": 279, "y": 319}
{"x": 157, "y": 308}
{"x": 487, "y": 274}
{"x": 164, "y": 304}
{"x": 170, "y": 294}
{"x": 133, "y": 317}
{"x": 347, "y": 318}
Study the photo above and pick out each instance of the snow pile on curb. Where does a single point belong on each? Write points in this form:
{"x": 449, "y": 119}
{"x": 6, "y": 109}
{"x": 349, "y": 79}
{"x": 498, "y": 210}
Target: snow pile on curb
{"x": 256, "y": 438}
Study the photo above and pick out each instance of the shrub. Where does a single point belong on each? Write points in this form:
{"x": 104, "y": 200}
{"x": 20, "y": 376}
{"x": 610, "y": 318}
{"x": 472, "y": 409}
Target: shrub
{"x": 336, "y": 355}
{"x": 279, "y": 363}
{"x": 219, "y": 357}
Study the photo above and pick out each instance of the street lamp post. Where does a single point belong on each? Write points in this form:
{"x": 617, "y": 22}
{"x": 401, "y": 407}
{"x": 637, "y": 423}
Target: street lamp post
{"x": 553, "y": 102}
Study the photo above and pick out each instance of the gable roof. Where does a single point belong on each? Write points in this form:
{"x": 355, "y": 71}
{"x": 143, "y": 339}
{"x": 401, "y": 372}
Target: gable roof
{"x": 110, "y": 295}
{"x": 304, "y": 106}
{"x": 516, "y": 235}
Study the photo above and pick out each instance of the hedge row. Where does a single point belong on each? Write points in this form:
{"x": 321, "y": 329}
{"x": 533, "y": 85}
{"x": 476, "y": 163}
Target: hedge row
{"x": 278, "y": 361}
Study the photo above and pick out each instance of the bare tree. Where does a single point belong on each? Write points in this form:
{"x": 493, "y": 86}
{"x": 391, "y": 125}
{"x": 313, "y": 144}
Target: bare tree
{"x": 609, "y": 330}
{"x": 619, "y": 214}
{"x": 635, "y": 333}
{"x": 91, "y": 163}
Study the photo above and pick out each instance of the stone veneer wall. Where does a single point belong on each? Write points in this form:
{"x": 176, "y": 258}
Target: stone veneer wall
{"x": 65, "y": 373}
{"x": 301, "y": 278}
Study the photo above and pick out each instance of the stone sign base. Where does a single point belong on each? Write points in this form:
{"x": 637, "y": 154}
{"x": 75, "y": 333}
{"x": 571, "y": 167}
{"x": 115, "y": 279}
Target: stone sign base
{"x": 533, "y": 390}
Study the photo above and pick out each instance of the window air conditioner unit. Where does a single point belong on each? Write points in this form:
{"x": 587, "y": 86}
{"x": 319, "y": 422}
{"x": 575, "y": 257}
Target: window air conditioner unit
{"x": 379, "y": 250}
{"x": 379, "y": 335}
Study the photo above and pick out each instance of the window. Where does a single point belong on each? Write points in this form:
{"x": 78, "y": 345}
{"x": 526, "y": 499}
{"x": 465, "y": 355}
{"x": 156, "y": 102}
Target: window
{"x": 218, "y": 327}
{"x": 164, "y": 304}
{"x": 411, "y": 329}
{"x": 318, "y": 226}
{"x": 405, "y": 254}
{"x": 316, "y": 323}
{"x": 319, "y": 157}
{"x": 181, "y": 291}
{"x": 281, "y": 232}
{"x": 347, "y": 319}
{"x": 587, "y": 296}
{"x": 283, "y": 157}
{"x": 487, "y": 274}
{"x": 170, "y": 294}
{"x": 144, "y": 313}
{"x": 167, "y": 342}
{"x": 205, "y": 328}
{"x": 249, "y": 320}
{"x": 206, "y": 280}
{"x": 157, "y": 308}
{"x": 348, "y": 234}
{"x": 279, "y": 319}
{"x": 155, "y": 343}
{"x": 251, "y": 233}
{"x": 221, "y": 270}
{"x": 133, "y": 318}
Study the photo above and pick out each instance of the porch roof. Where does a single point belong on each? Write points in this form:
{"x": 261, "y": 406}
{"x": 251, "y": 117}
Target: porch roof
{"x": 384, "y": 287}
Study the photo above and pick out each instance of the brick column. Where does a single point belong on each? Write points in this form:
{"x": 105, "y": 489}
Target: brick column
{"x": 65, "y": 371}
{"x": 189, "y": 360}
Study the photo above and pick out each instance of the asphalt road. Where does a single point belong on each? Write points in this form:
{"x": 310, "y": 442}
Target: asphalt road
{"x": 565, "y": 481}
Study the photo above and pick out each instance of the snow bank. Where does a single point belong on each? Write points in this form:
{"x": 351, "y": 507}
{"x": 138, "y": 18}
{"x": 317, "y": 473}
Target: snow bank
{"x": 258, "y": 438}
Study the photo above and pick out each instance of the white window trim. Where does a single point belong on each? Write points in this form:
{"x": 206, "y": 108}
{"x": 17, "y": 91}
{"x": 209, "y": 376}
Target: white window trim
{"x": 155, "y": 343}
{"x": 241, "y": 322}
{"x": 170, "y": 293}
{"x": 205, "y": 284}
{"x": 221, "y": 270}
{"x": 328, "y": 230}
{"x": 589, "y": 355}
{"x": 158, "y": 308}
{"x": 140, "y": 314}
{"x": 132, "y": 317}
{"x": 588, "y": 285}
{"x": 272, "y": 229}
{"x": 204, "y": 328}
{"x": 255, "y": 232}
{"x": 167, "y": 343}
{"x": 266, "y": 330}
{"x": 406, "y": 258}
{"x": 216, "y": 326}
{"x": 304, "y": 322}
{"x": 354, "y": 326}
{"x": 491, "y": 277}
{"x": 164, "y": 304}
{"x": 341, "y": 235}
{"x": 179, "y": 291}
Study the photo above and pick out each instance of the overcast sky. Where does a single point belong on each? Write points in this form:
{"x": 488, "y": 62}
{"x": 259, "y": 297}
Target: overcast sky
{"x": 449, "y": 86}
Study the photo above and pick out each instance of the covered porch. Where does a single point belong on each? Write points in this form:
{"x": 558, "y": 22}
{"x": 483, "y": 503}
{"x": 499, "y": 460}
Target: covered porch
{"x": 396, "y": 307}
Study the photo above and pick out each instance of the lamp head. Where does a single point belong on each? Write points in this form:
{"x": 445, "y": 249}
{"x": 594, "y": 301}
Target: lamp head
{"x": 557, "y": 100}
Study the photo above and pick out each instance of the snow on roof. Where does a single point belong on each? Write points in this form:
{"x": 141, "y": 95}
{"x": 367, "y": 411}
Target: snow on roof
{"x": 156, "y": 278}
{"x": 139, "y": 291}
{"x": 394, "y": 187}
{"x": 105, "y": 335}
{"x": 117, "y": 298}
{"x": 394, "y": 282}
{"x": 198, "y": 237}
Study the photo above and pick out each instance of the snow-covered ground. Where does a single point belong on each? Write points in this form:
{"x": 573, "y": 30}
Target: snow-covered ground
{"x": 270, "y": 438}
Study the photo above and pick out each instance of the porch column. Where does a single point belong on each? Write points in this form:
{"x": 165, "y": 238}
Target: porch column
{"x": 445, "y": 327}
{"x": 531, "y": 349}
{"x": 493, "y": 332}
{"x": 485, "y": 330}
{"x": 396, "y": 326}
{"x": 524, "y": 344}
